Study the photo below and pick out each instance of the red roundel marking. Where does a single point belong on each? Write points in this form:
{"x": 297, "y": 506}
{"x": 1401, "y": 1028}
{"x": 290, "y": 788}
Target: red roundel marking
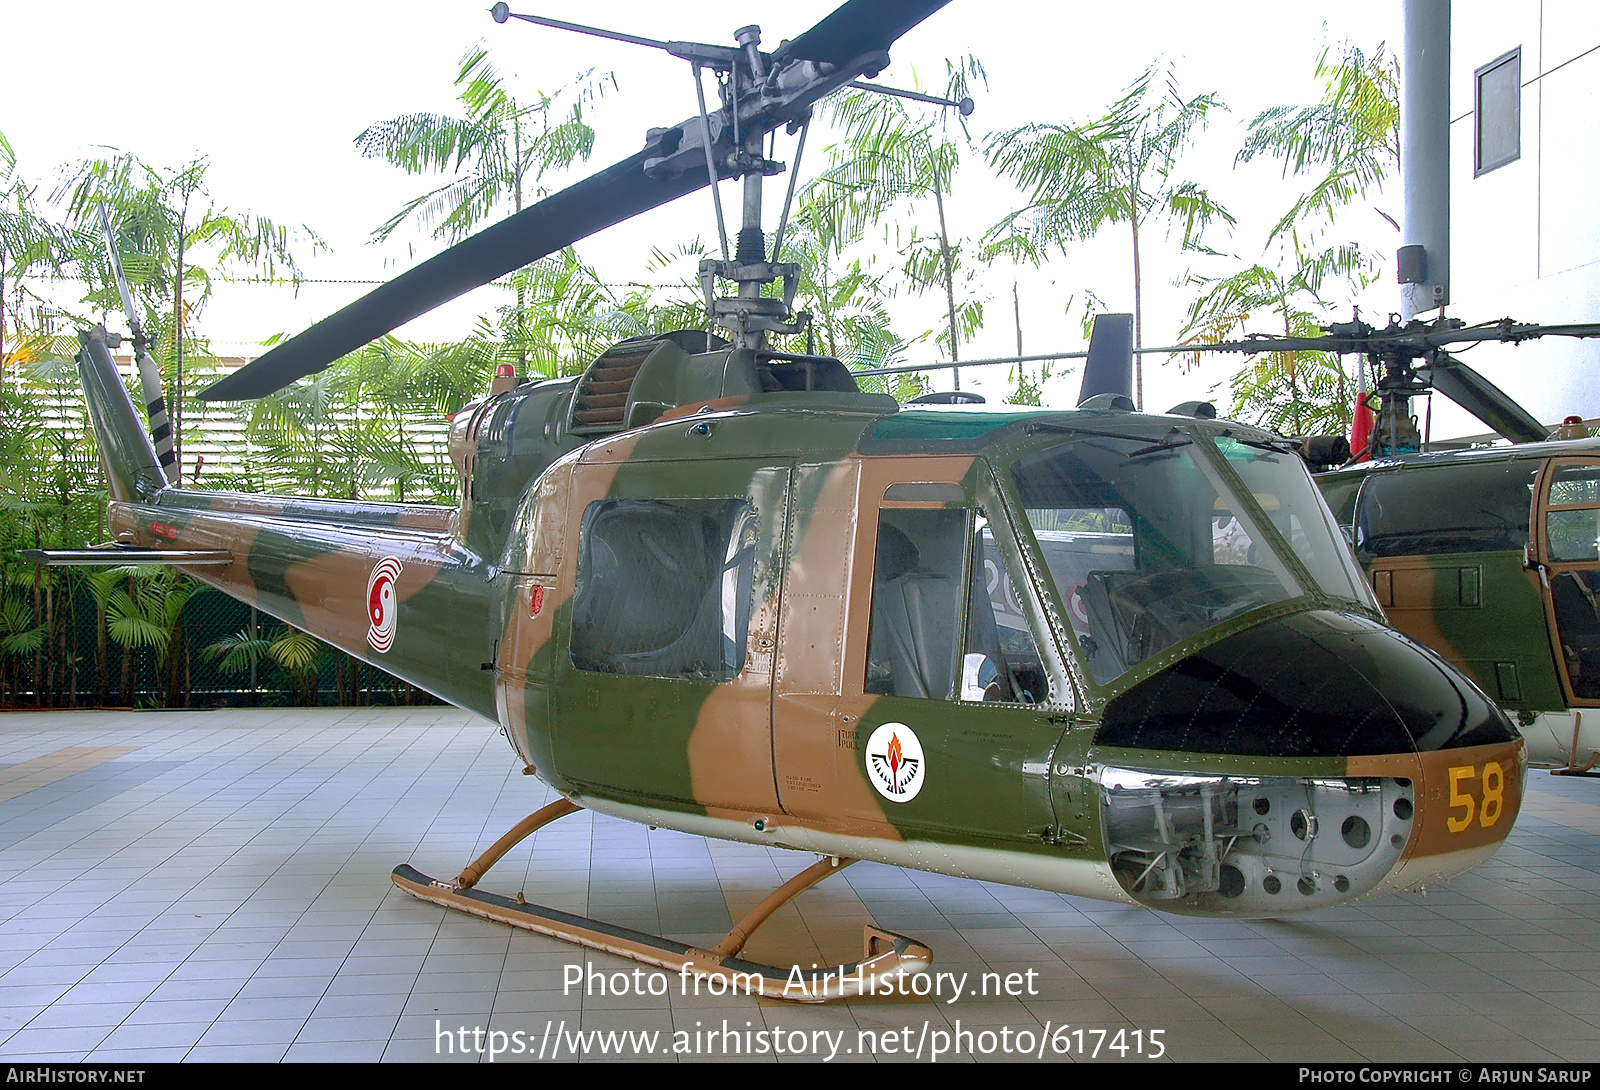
{"x": 1075, "y": 602}
{"x": 383, "y": 608}
{"x": 535, "y": 600}
{"x": 161, "y": 529}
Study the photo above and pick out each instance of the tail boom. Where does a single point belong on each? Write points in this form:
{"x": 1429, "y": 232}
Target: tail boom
{"x": 405, "y": 598}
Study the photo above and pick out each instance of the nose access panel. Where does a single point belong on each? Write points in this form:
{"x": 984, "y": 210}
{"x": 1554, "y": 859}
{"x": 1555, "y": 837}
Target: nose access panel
{"x": 1252, "y": 846}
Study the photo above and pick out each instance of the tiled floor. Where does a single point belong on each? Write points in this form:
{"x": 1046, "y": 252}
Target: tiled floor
{"x": 221, "y": 891}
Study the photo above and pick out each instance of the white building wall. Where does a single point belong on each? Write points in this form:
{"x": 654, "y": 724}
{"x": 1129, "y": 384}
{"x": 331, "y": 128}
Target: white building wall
{"x": 1525, "y": 237}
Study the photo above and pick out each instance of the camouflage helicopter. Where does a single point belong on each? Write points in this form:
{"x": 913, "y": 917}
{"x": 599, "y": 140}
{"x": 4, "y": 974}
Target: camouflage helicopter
{"x": 1487, "y": 556}
{"x": 715, "y": 587}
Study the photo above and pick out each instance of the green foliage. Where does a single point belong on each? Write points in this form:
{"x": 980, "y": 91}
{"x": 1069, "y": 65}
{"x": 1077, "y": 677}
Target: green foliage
{"x": 346, "y": 432}
{"x": 499, "y": 154}
{"x": 1349, "y": 143}
{"x": 1296, "y": 393}
{"x": 296, "y": 654}
{"x": 499, "y": 151}
{"x": 1025, "y": 390}
{"x": 1121, "y": 167}
{"x": 894, "y": 159}
{"x": 1352, "y": 136}
{"x": 171, "y": 238}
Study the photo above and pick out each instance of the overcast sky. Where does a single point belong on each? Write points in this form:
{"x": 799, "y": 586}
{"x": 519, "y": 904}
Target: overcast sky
{"x": 273, "y": 95}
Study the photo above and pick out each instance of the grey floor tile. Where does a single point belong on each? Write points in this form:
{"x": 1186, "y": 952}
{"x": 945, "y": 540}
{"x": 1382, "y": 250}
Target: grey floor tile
{"x": 250, "y": 917}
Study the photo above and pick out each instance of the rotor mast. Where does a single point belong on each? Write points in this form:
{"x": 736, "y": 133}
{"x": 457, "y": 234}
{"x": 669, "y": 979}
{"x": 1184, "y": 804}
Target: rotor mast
{"x": 759, "y": 92}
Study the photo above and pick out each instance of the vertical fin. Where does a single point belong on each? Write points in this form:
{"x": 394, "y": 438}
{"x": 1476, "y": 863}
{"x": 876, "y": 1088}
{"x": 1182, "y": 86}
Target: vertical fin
{"x": 124, "y": 446}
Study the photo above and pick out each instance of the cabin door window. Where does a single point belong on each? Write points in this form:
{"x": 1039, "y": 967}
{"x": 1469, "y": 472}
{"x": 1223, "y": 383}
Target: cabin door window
{"x": 1571, "y": 546}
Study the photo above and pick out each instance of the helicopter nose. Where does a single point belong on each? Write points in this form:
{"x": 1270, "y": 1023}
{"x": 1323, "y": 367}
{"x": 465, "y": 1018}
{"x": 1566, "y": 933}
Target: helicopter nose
{"x": 1307, "y": 760}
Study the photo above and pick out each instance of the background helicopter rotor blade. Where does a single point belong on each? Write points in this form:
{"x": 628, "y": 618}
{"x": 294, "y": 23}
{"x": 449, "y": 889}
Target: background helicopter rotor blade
{"x": 1109, "y": 366}
{"x": 1484, "y": 400}
{"x": 620, "y": 192}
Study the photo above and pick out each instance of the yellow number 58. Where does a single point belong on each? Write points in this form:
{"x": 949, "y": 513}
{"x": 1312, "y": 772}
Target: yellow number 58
{"x": 1494, "y": 790}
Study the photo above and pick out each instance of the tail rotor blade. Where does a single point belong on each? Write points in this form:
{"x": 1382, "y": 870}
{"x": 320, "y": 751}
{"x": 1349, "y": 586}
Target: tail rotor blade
{"x": 155, "y": 401}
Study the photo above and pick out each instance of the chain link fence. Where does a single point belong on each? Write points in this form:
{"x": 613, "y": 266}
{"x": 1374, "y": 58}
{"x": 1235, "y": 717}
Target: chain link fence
{"x": 65, "y": 651}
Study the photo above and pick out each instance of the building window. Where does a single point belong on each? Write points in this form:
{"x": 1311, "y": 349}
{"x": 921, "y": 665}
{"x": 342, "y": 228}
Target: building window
{"x": 1498, "y": 113}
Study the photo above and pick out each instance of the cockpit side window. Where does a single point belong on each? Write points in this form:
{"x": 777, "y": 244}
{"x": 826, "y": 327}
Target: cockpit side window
{"x": 1000, "y": 660}
{"x": 947, "y": 619}
{"x": 1571, "y": 524}
{"x": 917, "y": 595}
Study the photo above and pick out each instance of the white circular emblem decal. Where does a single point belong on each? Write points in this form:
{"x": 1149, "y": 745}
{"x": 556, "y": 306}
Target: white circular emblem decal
{"x": 894, "y": 762}
{"x": 383, "y": 608}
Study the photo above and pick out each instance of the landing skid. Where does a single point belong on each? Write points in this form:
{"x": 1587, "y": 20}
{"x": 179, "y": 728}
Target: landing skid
{"x": 1587, "y": 771}
{"x": 885, "y": 957}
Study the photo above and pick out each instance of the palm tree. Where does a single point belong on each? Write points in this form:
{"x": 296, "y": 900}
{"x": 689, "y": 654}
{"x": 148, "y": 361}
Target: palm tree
{"x": 499, "y": 152}
{"x": 1294, "y": 392}
{"x": 1352, "y": 136}
{"x": 1349, "y": 142}
{"x": 148, "y": 613}
{"x": 1121, "y": 167}
{"x": 160, "y": 218}
{"x": 296, "y": 653}
{"x": 27, "y": 240}
{"x": 891, "y": 154}
{"x": 50, "y": 497}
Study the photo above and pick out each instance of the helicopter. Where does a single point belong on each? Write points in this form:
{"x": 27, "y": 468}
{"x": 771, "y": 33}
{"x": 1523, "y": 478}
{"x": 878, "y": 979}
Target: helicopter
{"x": 715, "y": 587}
{"x": 1488, "y": 556}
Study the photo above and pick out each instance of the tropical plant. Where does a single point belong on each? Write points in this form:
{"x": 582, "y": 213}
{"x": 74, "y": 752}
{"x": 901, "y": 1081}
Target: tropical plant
{"x": 1352, "y": 136}
{"x": 340, "y": 433}
{"x": 1350, "y": 143}
{"x": 1294, "y": 392}
{"x": 28, "y": 241}
{"x": 298, "y": 655}
{"x": 147, "y": 613}
{"x": 564, "y": 316}
{"x": 847, "y": 301}
{"x": 167, "y": 231}
{"x": 499, "y": 153}
{"x": 892, "y": 155}
{"x": 1121, "y": 167}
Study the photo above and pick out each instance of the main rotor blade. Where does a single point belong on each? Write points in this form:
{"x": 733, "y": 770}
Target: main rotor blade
{"x": 619, "y": 192}
{"x": 861, "y": 26}
{"x": 1486, "y": 401}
